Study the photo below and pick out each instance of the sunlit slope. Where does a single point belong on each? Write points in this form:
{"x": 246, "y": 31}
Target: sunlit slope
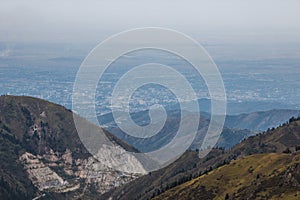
{"x": 285, "y": 138}
{"x": 262, "y": 176}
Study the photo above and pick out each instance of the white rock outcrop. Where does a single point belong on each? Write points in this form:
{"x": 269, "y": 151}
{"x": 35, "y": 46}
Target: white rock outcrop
{"x": 113, "y": 167}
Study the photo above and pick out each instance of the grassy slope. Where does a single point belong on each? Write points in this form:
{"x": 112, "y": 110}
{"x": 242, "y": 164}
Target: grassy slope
{"x": 278, "y": 140}
{"x": 247, "y": 177}
{"x": 146, "y": 187}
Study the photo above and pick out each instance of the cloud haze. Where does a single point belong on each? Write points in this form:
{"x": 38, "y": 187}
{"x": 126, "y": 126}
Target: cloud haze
{"x": 93, "y": 20}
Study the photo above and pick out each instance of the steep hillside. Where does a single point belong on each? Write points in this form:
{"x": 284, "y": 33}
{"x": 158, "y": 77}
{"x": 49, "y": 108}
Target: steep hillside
{"x": 261, "y": 176}
{"x": 285, "y": 138}
{"x": 41, "y": 154}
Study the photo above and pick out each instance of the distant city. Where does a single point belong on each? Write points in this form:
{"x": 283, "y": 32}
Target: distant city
{"x": 251, "y": 85}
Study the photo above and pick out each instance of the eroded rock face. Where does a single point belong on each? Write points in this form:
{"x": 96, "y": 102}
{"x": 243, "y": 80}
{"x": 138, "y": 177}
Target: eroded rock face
{"x": 47, "y": 171}
{"x": 118, "y": 158}
{"x": 113, "y": 167}
{"x": 61, "y": 172}
{"x": 40, "y": 174}
{"x": 103, "y": 177}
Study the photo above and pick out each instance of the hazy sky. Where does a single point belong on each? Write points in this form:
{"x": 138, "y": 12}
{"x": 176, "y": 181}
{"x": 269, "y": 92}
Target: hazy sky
{"x": 93, "y": 20}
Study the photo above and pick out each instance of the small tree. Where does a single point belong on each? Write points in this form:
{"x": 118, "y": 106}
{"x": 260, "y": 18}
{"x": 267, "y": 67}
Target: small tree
{"x": 226, "y": 196}
{"x": 287, "y": 150}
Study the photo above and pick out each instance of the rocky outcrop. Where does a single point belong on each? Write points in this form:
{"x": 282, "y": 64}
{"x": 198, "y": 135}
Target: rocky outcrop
{"x": 40, "y": 174}
{"x": 42, "y": 170}
{"x": 112, "y": 167}
{"x": 118, "y": 158}
{"x": 101, "y": 176}
{"x": 291, "y": 177}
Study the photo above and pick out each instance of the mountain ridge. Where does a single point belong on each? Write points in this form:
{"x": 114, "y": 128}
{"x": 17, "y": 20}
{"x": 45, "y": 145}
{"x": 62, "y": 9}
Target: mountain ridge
{"x": 42, "y": 155}
{"x": 285, "y": 138}
{"x": 38, "y": 136}
{"x": 258, "y": 176}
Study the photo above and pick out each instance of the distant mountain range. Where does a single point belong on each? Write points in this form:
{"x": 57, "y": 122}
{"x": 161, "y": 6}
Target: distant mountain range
{"x": 260, "y": 121}
{"x": 236, "y": 127}
{"x": 241, "y": 107}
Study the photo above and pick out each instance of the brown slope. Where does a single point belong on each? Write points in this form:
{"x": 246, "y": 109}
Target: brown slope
{"x": 260, "y": 176}
{"x": 146, "y": 187}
